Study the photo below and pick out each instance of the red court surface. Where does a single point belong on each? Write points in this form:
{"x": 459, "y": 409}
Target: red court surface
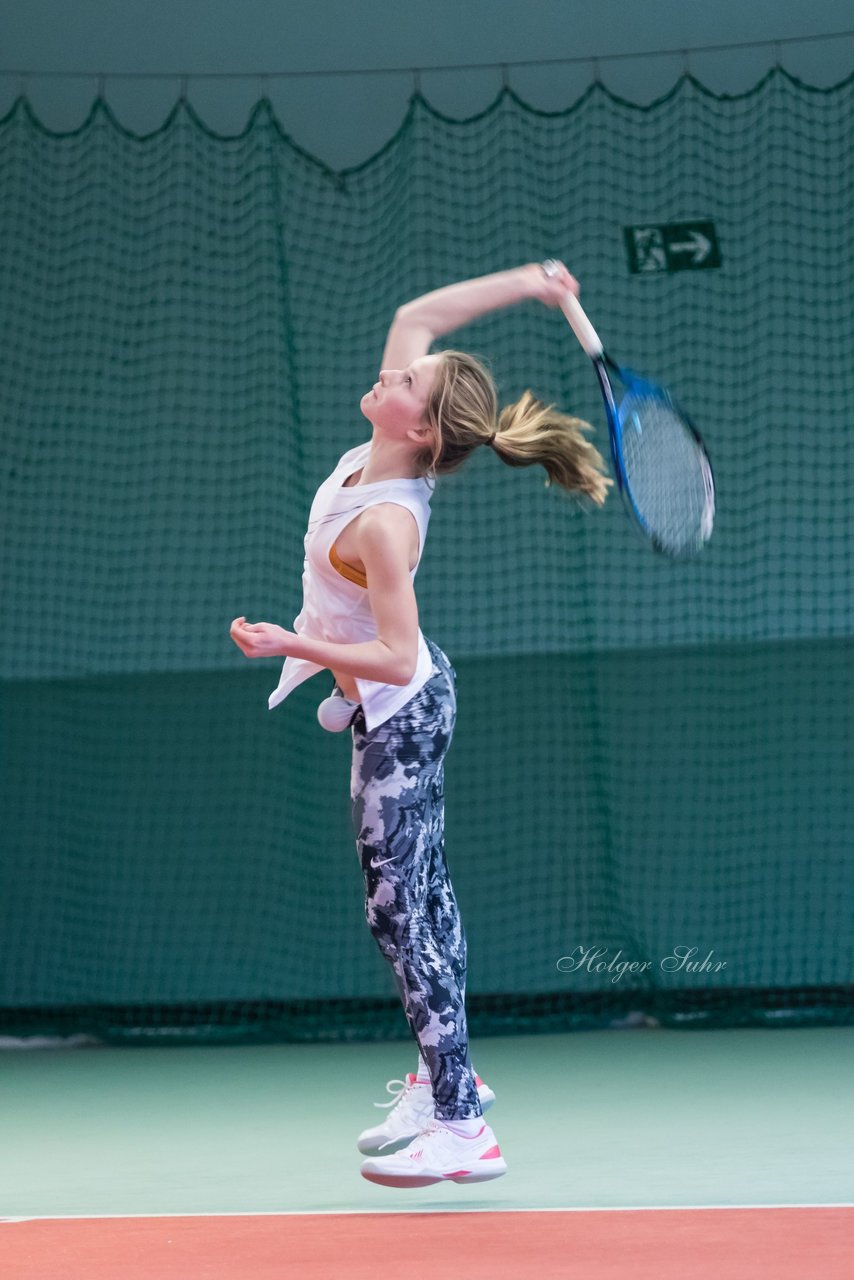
{"x": 810, "y": 1243}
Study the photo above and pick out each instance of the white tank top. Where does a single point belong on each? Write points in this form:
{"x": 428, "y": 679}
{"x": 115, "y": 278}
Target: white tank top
{"x": 335, "y": 599}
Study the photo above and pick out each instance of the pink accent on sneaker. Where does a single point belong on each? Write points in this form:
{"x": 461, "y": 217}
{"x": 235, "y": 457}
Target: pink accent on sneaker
{"x": 456, "y": 1173}
{"x": 478, "y": 1081}
{"x": 494, "y": 1153}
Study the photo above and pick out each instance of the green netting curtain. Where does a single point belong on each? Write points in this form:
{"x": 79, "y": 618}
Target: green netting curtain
{"x": 648, "y": 756}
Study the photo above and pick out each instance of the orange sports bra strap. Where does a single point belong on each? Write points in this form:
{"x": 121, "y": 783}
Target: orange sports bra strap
{"x": 347, "y": 570}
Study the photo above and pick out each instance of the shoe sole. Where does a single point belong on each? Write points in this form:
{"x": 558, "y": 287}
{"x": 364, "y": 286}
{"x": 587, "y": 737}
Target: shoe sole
{"x": 372, "y": 1148}
{"x": 497, "y": 1168}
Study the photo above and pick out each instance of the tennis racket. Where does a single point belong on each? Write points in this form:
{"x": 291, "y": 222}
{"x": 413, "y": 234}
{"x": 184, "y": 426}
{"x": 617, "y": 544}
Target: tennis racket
{"x": 660, "y": 463}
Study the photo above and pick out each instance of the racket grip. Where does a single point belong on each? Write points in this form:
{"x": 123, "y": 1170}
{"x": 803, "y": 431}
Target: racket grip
{"x": 583, "y": 329}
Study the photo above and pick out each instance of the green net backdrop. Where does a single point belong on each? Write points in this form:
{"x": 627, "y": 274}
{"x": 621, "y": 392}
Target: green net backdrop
{"x": 648, "y": 755}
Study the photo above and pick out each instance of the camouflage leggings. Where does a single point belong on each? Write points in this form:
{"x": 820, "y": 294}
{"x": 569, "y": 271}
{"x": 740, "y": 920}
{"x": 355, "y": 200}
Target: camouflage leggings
{"x": 397, "y": 788}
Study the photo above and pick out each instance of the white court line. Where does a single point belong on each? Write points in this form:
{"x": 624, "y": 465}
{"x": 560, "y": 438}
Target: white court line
{"x": 317, "y": 1213}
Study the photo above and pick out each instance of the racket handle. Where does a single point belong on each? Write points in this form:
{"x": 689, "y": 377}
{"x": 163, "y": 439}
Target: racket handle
{"x": 583, "y": 329}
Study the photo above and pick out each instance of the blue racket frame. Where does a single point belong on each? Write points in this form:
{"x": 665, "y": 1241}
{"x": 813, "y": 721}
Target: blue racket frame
{"x": 642, "y": 386}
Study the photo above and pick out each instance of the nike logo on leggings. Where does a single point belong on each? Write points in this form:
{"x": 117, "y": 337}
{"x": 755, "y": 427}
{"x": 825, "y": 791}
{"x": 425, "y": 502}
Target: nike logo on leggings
{"x": 380, "y": 862}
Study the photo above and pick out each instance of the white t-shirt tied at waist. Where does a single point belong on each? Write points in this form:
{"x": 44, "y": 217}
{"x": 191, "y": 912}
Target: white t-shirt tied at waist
{"x": 337, "y": 608}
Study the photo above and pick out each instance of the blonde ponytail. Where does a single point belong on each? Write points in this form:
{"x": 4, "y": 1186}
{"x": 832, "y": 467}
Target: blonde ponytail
{"x": 531, "y": 432}
{"x": 463, "y": 410}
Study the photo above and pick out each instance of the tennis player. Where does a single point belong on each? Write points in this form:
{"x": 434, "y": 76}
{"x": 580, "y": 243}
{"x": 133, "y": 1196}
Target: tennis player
{"x": 396, "y": 689}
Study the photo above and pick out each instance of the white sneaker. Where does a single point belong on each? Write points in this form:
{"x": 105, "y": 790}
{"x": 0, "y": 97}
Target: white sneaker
{"x": 412, "y": 1109}
{"x": 336, "y": 712}
{"x": 438, "y": 1155}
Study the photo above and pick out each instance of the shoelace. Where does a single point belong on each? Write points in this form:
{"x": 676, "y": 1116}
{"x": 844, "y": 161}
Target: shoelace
{"x": 405, "y": 1087}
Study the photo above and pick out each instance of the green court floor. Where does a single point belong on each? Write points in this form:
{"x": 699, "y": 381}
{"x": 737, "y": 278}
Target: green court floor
{"x": 606, "y": 1118}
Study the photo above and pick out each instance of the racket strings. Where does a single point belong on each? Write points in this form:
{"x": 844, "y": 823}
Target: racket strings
{"x": 667, "y": 474}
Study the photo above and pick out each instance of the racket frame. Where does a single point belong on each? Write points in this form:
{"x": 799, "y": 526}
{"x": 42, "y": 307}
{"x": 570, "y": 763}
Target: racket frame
{"x": 636, "y": 384}
{"x": 602, "y": 363}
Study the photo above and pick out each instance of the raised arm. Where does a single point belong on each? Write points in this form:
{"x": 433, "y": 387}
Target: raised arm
{"x": 418, "y": 323}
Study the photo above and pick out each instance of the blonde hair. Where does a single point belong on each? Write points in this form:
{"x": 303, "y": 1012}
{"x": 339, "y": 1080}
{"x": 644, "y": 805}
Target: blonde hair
{"x": 463, "y": 411}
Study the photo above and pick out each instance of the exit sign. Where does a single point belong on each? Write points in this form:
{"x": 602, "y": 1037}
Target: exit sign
{"x": 672, "y": 246}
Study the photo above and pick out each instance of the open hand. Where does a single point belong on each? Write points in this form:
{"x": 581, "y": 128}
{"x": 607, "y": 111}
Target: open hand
{"x": 260, "y": 639}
